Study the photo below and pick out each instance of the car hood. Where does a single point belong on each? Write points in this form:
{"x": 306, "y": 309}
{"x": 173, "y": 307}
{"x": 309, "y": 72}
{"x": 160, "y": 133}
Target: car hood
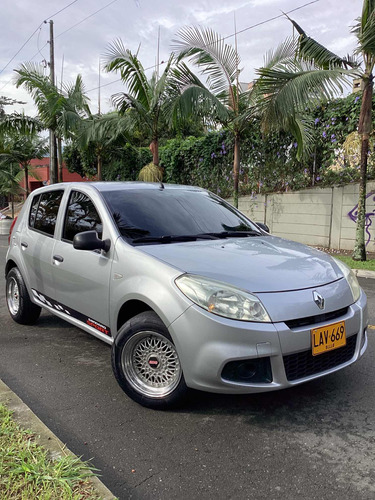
{"x": 257, "y": 264}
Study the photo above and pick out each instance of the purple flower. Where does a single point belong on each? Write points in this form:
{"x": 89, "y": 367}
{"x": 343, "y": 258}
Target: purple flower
{"x": 356, "y": 99}
{"x": 347, "y": 118}
{"x": 305, "y": 170}
{"x": 213, "y": 155}
{"x": 317, "y": 178}
{"x": 218, "y": 190}
{"x": 278, "y": 154}
{"x": 324, "y": 135}
{"x": 200, "y": 159}
{"x": 295, "y": 144}
{"x": 333, "y": 119}
{"x": 317, "y": 120}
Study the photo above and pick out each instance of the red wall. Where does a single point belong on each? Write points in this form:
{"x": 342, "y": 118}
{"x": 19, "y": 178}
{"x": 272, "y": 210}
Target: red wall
{"x": 41, "y": 168}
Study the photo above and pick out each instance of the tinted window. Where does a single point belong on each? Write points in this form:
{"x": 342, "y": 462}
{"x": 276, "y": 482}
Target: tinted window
{"x": 81, "y": 215}
{"x": 33, "y": 209}
{"x": 162, "y": 212}
{"x": 46, "y": 215}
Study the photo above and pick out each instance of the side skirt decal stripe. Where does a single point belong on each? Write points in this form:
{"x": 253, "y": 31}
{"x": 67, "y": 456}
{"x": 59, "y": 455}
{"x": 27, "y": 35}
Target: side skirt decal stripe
{"x": 71, "y": 312}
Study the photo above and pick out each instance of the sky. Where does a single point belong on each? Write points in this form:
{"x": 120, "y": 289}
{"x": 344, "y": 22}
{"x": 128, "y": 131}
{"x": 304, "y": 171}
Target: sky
{"x": 79, "y": 46}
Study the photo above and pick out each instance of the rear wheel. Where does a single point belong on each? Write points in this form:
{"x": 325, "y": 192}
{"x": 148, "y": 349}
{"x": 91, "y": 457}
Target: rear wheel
{"x": 146, "y": 364}
{"x": 20, "y": 307}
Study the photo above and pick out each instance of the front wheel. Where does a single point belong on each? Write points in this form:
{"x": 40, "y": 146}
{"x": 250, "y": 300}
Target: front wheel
{"x": 20, "y": 307}
{"x": 146, "y": 364}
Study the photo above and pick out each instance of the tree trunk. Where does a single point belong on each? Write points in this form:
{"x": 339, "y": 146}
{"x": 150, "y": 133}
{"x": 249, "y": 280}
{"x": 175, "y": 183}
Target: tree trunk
{"x": 99, "y": 167}
{"x": 60, "y": 160}
{"x": 154, "y": 148}
{"x": 53, "y": 173}
{"x": 236, "y": 168}
{"x": 26, "y": 169}
{"x": 364, "y": 129}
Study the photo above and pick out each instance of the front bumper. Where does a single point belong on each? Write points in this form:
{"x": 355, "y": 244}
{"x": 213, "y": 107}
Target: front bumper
{"x": 206, "y": 343}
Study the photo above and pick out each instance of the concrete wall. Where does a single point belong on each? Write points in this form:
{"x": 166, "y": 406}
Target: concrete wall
{"x": 320, "y": 216}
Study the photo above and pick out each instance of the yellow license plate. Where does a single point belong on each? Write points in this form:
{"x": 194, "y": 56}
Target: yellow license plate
{"x": 328, "y": 338}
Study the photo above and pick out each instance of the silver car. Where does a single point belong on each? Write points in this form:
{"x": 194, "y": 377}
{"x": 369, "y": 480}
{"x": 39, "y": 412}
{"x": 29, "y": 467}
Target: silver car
{"x": 189, "y": 291}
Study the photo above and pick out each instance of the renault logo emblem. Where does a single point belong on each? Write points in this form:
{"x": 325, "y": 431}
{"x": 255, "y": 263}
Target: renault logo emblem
{"x": 318, "y": 299}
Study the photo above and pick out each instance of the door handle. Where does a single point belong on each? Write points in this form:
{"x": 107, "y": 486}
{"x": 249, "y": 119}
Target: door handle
{"x": 24, "y": 244}
{"x": 58, "y": 258}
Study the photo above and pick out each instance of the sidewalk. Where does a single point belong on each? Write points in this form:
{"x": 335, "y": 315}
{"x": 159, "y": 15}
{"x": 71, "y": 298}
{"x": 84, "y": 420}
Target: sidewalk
{"x": 46, "y": 438}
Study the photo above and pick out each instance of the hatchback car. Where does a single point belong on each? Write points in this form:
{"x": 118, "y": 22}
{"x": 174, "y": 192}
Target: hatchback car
{"x": 189, "y": 291}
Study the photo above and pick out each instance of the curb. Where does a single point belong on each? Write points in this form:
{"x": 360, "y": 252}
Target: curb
{"x": 362, "y": 273}
{"x": 44, "y": 436}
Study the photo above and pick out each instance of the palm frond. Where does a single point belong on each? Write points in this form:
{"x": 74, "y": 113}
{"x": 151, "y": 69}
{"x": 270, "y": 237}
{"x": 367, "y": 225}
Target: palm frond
{"x": 119, "y": 59}
{"x": 207, "y": 49}
{"x": 19, "y": 123}
{"x": 311, "y": 51}
{"x": 194, "y": 97}
{"x": 365, "y": 30}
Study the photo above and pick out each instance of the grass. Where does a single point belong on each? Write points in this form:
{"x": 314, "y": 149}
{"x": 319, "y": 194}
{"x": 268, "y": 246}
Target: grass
{"x": 369, "y": 265}
{"x": 27, "y": 471}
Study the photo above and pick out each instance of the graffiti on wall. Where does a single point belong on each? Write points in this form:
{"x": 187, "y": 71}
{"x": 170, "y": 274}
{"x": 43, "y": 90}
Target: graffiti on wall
{"x": 353, "y": 215}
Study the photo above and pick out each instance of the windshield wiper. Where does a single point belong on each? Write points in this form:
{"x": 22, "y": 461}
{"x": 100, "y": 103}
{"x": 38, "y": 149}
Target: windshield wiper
{"x": 175, "y": 238}
{"x": 234, "y": 234}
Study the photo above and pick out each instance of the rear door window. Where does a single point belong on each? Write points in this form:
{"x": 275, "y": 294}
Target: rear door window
{"x": 43, "y": 213}
{"x": 33, "y": 209}
{"x": 81, "y": 216}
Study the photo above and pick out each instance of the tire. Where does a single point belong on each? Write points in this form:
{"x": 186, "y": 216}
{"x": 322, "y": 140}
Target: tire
{"x": 20, "y": 307}
{"x": 146, "y": 364}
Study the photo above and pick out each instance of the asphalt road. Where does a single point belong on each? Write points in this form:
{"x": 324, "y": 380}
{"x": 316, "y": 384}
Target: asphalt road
{"x": 316, "y": 441}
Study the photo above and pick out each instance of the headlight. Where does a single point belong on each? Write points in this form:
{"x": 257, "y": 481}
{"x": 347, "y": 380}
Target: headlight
{"x": 350, "y": 278}
{"x": 222, "y": 299}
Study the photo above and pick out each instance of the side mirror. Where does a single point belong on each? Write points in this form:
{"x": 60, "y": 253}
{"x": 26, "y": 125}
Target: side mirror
{"x": 88, "y": 240}
{"x": 263, "y": 226}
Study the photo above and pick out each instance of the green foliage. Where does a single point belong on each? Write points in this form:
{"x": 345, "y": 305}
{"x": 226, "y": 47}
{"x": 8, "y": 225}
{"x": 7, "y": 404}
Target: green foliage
{"x": 27, "y": 470}
{"x": 268, "y": 161}
{"x": 120, "y": 162}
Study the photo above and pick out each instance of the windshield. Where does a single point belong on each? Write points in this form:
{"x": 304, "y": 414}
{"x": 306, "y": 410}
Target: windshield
{"x": 149, "y": 213}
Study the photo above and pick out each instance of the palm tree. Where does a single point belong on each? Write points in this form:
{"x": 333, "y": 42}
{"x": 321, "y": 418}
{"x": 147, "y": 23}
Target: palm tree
{"x": 101, "y": 132}
{"x": 19, "y": 124}
{"x": 149, "y": 104}
{"x": 10, "y": 178}
{"x": 60, "y": 111}
{"x": 325, "y": 66}
{"x": 287, "y": 85}
{"x": 224, "y": 98}
{"x": 20, "y": 151}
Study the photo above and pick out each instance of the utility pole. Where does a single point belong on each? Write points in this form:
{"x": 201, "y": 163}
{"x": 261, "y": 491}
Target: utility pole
{"x": 99, "y": 90}
{"x": 53, "y": 170}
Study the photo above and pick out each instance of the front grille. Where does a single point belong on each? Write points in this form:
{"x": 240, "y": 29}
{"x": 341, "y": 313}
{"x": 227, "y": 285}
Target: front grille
{"x": 319, "y": 318}
{"x": 304, "y": 364}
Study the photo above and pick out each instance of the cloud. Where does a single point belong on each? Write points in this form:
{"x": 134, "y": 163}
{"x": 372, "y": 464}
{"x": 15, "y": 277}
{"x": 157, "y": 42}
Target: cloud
{"x": 83, "y": 45}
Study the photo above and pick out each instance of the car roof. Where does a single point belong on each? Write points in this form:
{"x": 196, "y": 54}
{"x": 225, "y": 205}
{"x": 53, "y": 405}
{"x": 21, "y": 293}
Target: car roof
{"x": 119, "y": 186}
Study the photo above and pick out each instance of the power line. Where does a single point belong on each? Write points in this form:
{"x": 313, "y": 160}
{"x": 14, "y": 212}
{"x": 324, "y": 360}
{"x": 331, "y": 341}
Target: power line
{"x": 58, "y": 12}
{"x": 19, "y": 50}
{"x": 271, "y": 19}
{"x": 33, "y": 33}
{"x": 80, "y": 22}
{"x": 225, "y": 37}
